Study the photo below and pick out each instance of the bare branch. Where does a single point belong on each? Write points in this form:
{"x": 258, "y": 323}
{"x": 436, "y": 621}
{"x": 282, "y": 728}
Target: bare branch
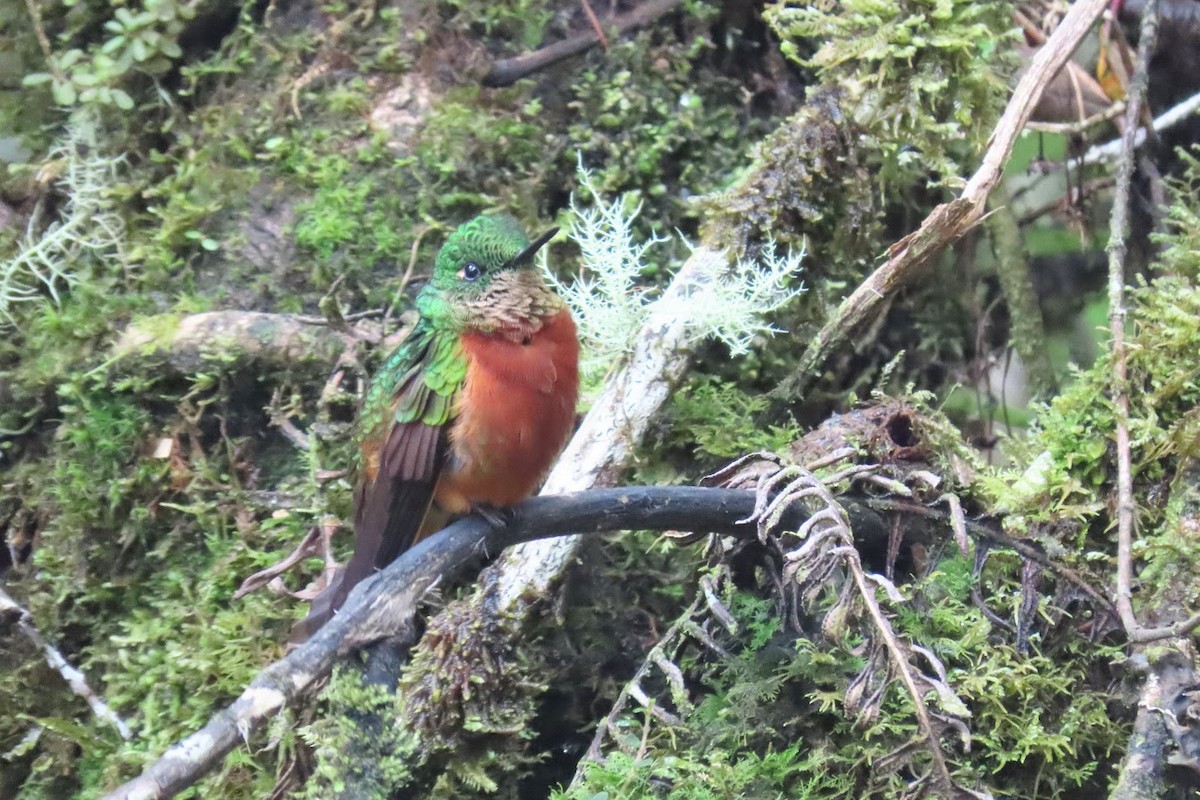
{"x": 386, "y": 604}
{"x": 74, "y": 678}
{"x": 1110, "y": 151}
{"x": 1117, "y": 247}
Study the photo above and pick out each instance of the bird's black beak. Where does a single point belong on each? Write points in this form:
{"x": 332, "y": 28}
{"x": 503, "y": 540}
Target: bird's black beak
{"x": 526, "y": 255}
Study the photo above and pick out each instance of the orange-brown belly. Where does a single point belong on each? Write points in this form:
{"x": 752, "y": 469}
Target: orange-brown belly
{"x": 513, "y": 417}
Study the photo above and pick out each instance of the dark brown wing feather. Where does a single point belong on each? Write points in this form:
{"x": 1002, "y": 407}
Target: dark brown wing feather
{"x": 388, "y": 513}
{"x": 389, "y": 510}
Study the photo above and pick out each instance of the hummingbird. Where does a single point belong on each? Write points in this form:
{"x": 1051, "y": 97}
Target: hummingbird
{"x": 472, "y": 407}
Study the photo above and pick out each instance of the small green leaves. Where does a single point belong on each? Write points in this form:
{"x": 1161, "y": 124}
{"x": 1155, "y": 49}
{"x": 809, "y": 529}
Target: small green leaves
{"x": 146, "y": 41}
{"x": 205, "y": 242}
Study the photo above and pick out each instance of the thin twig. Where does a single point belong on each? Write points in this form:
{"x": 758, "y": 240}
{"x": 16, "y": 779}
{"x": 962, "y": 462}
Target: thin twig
{"x": 408, "y": 273}
{"x": 1117, "y": 248}
{"x": 510, "y": 70}
{"x": 283, "y": 422}
{"x": 899, "y": 657}
{"x": 1176, "y": 114}
{"x": 1075, "y": 195}
{"x": 74, "y": 678}
{"x": 324, "y": 321}
{"x": 595, "y": 21}
{"x": 39, "y": 32}
{"x": 1070, "y": 128}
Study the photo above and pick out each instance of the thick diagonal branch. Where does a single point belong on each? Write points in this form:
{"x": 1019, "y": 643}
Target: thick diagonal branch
{"x": 386, "y": 604}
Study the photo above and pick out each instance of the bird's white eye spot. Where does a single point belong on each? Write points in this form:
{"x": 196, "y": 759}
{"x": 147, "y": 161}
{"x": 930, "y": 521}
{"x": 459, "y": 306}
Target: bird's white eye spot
{"x": 470, "y": 271}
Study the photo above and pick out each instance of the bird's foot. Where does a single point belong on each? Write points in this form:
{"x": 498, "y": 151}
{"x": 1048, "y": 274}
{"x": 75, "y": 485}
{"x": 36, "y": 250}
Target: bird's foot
{"x": 496, "y": 517}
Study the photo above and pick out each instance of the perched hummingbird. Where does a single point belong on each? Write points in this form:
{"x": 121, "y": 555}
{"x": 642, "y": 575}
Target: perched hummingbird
{"x": 473, "y": 406}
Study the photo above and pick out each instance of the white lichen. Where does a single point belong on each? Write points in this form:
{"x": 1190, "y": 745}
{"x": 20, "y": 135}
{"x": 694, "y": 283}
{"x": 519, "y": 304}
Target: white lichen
{"x": 88, "y": 230}
{"x": 610, "y": 302}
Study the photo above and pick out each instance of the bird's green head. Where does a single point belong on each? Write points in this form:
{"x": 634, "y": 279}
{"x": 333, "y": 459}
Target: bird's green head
{"x": 485, "y": 278}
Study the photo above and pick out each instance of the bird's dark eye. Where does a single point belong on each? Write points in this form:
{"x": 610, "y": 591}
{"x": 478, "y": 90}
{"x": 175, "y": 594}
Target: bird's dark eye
{"x": 470, "y": 271}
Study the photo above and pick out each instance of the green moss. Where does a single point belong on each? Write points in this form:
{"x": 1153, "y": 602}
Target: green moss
{"x": 360, "y": 740}
{"x": 519, "y": 24}
{"x": 1181, "y": 239}
{"x": 768, "y": 719}
{"x": 1075, "y": 431}
{"x": 644, "y": 115}
{"x": 929, "y": 75}
{"x": 721, "y": 421}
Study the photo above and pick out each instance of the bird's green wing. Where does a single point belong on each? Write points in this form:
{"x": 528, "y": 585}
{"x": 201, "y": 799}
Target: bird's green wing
{"x": 397, "y": 481}
{"x": 402, "y": 440}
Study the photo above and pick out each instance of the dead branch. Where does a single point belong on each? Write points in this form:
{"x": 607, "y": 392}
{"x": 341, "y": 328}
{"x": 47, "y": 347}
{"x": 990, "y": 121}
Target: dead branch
{"x": 908, "y": 257}
{"x": 183, "y": 345}
{"x": 1110, "y": 151}
{"x": 1119, "y": 227}
{"x": 75, "y": 679}
{"x": 386, "y": 605}
{"x": 510, "y": 70}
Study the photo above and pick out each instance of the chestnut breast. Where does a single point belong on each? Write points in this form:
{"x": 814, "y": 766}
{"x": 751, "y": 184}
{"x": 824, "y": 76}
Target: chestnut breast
{"x": 515, "y": 412}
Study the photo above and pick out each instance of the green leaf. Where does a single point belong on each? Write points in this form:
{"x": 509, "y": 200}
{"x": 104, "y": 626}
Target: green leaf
{"x": 64, "y": 93}
{"x": 70, "y": 58}
{"x": 113, "y": 44}
{"x": 122, "y": 99}
{"x": 36, "y": 79}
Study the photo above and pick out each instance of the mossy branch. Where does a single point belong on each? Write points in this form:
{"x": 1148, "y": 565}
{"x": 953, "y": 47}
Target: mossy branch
{"x": 908, "y": 257}
{"x": 1028, "y": 335}
{"x": 178, "y": 345}
{"x": 386, "y": 604}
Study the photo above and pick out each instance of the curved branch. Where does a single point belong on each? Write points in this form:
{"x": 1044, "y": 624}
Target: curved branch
{"x": 386, "y": 604}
